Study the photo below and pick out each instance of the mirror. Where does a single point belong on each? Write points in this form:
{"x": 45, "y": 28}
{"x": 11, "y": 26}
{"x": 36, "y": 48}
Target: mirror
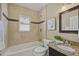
{"x": 68, "y": 20}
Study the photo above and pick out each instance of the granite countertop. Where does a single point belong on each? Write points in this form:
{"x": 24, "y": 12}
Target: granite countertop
{"x": 54, "y": 46}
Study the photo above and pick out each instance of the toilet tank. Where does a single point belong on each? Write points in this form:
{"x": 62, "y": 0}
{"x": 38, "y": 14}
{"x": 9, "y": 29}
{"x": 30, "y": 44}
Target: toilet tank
{"x": 46, "y": 42}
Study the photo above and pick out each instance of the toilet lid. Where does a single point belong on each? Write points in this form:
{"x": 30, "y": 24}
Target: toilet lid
{"x": 40, "y": 49}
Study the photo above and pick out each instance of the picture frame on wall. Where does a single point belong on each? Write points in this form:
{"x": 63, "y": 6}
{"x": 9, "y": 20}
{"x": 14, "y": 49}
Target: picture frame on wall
{"x": 51, "y": 24}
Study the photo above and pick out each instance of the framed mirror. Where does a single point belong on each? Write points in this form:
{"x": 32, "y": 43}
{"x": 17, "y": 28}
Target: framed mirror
{"x": 68, "y": 20}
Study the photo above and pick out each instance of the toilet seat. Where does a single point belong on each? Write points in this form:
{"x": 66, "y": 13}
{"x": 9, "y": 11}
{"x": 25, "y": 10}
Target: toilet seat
{"x": 40, "y": 49}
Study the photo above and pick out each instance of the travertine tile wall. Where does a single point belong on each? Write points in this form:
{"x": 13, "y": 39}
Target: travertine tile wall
{"x": 16, "y": 37}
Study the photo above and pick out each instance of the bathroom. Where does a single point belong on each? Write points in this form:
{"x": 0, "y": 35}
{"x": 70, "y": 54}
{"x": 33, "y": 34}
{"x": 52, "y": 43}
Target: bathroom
{"x": 38, "y": 35}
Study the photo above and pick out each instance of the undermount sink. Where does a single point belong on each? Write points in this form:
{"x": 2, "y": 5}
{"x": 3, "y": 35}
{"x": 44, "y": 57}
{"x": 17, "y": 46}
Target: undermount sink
{"x": 67, "y": 48}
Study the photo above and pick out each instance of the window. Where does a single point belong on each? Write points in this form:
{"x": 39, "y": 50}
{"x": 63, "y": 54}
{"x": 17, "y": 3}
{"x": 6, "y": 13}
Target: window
{"x": 24, "y": 23}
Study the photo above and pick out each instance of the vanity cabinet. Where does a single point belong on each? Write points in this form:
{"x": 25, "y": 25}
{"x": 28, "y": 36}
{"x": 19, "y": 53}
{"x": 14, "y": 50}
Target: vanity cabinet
{"x": 53, "y": 52}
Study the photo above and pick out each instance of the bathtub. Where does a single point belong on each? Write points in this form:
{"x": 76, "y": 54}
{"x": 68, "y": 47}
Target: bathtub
{"x": 25, "y": 49}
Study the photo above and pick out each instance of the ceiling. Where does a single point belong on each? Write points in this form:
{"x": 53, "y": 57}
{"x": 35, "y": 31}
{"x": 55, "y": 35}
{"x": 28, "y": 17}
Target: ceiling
{"x": 39, "y": 6}
{"x": 33, "y": 6}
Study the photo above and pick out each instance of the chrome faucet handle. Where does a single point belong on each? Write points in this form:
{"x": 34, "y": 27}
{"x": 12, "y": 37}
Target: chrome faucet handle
{"x": 67, "y": 43}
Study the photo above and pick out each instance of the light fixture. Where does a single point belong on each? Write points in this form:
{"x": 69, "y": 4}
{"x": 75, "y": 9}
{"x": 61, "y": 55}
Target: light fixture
{"x": 64, "y": 6}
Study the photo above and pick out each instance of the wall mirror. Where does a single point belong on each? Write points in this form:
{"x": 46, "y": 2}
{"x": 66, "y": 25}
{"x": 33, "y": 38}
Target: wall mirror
{"x": 68, "y": 20}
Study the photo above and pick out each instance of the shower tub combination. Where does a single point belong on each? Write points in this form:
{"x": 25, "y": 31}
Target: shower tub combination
{"x": 25, "y": 49}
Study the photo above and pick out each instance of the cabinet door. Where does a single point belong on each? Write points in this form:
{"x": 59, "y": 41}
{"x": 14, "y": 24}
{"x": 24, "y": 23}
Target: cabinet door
{"x": 53, "y": 52}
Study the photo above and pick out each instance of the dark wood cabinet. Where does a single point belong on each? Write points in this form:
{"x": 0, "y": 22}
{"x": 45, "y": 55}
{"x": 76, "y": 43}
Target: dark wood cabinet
{"x": 53, "y": 52}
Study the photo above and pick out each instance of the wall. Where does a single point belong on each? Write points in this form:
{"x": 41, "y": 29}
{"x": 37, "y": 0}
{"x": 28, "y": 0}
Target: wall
{"x": 53, "y": 10}
{"x": 15, "y": 37}
{"x": 43, "y": 25}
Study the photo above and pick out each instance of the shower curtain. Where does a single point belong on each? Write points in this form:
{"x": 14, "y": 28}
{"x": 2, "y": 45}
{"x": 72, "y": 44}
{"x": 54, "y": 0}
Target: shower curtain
{"x": 1, "y": 35}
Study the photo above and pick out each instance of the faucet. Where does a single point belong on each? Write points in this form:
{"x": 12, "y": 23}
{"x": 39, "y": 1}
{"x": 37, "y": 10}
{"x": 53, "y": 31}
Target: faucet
{"x": 67, "y": 43}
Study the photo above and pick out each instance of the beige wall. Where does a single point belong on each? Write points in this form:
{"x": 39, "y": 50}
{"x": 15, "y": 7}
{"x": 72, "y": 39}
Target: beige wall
{"x": 16, "y": 37}
{"x": 53, "y": 10}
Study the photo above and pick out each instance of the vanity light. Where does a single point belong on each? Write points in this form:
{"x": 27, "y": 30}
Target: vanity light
{"x": 63, "y": 8}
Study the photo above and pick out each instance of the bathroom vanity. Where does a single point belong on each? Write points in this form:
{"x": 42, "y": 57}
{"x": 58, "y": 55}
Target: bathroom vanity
{"x": 56, "y": 50}
{"x": 53, "y": 52}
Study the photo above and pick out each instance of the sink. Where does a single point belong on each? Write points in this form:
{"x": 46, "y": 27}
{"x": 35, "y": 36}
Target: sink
{"x": 67, "y": 48}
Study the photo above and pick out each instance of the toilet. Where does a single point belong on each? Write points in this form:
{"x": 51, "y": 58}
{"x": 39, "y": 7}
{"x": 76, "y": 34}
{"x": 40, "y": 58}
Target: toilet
{"x": 41, "y": 50}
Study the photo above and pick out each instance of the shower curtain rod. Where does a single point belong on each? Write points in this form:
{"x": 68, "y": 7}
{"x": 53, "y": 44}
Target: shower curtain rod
{"x": 16, "y": 20}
